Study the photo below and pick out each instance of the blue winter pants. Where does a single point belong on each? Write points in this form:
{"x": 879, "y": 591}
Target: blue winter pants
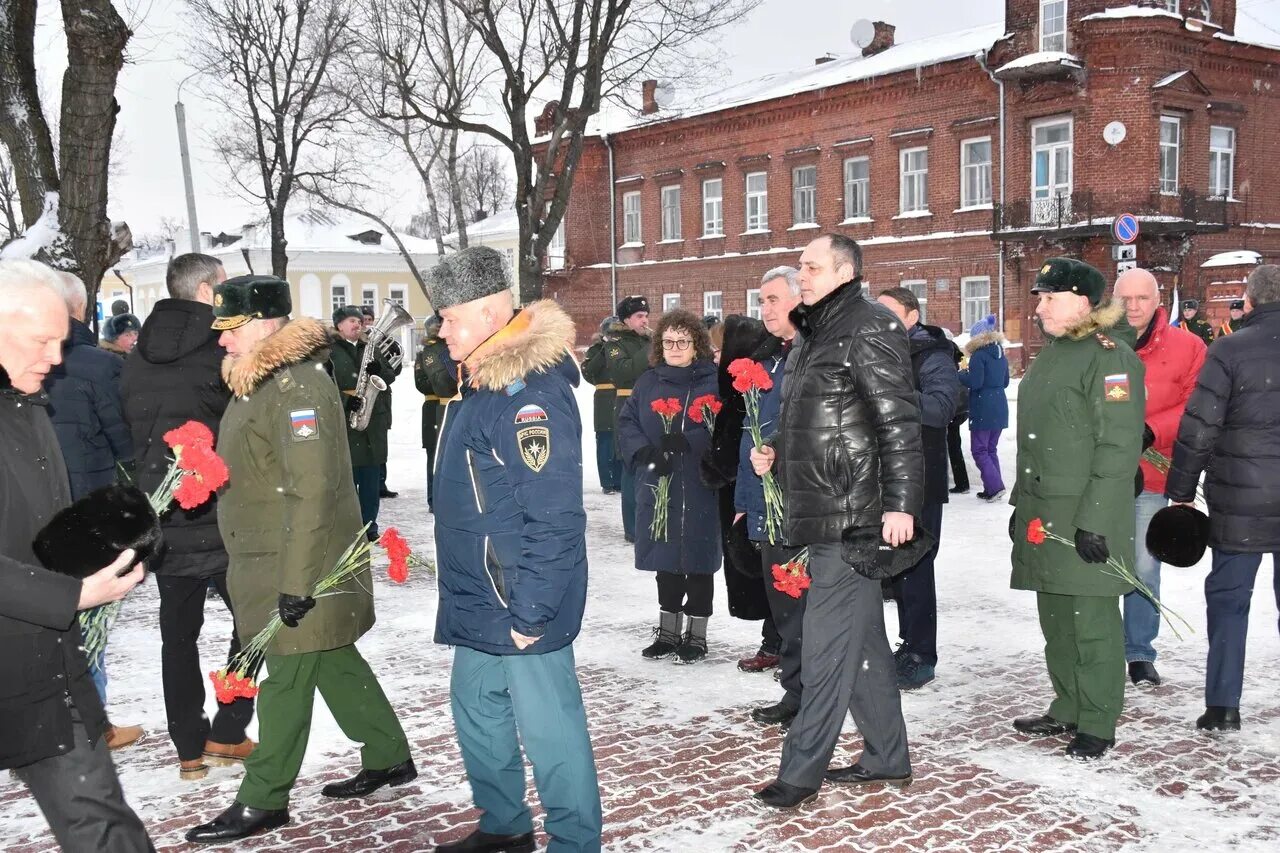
{"x": 1227, "y": 594}
{"x": 501, "y": 702}
{"x": 608, "y": 464}
{"x": 368, "y": 479}
{"x": 628, "y": 503}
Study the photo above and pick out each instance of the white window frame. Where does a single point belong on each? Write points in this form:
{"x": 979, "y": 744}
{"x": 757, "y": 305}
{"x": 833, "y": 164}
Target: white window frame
{"x": 670, "y": 213}
{"x": 920, "y": 288}
{"x": 670, "y": 301}
{"x": 917, "y": 179}
{"x": 1051, "y": 190}
{"x": 334, "y": 302}
{"x": 399, "y": 294}
{"x": 974, "y": 308}
{"x": 368, "y": 296}
{"x": 753, "y": 303}
{"x": 756, "y": 203}
{"x": 981, "y": 171}
{"x": 713, "y": 303}
{"x": 555, "y": 250}
{"x": 857, "y": 190}
{"x": 1169, "y": 183}
{"x": 1216, "y": 155}
{"x": 713, "y": 208}
{"x": 1206, "y": 11}
{"x": 1056, "y": 40}
{"x": 631, "y": 222}
{"x": 1173, "y": 6}
{"x": 804, "y": 199}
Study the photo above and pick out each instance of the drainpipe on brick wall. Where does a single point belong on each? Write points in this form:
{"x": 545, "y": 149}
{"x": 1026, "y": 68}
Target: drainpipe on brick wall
{"x": 982, "y": 60}
{"x": 613, "y": 243}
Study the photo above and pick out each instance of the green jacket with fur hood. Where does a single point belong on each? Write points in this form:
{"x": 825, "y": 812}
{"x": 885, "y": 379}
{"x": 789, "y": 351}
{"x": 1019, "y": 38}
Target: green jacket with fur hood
{"x": 1080, "y": 414}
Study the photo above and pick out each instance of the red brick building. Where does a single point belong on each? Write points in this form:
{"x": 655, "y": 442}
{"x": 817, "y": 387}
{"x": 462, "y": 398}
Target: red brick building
{"x": 958, "y": 162}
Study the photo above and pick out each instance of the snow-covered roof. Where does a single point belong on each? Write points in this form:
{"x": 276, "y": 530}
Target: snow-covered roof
{"x": 500, "y": 226}
{"x": 1171, "y": 78}
{"x": 1239, "y": 258}
{"x": 1041, "y": 57}
{"x": 320, "y": 230}
{"x": 1132, "y": 12}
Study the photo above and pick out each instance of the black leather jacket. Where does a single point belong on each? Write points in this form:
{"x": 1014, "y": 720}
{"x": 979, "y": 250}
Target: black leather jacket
{"x": 848, "y": 439}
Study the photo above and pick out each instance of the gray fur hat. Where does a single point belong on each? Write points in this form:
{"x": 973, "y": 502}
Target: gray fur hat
{"x": 466, "y": 276}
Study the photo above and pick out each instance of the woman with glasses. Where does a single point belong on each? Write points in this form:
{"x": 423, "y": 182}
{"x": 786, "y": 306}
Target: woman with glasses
{"x": 686, "y": 558}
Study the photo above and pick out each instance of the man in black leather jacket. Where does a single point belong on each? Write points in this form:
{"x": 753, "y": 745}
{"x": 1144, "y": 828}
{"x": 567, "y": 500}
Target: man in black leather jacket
{"x": 848, "y": 455}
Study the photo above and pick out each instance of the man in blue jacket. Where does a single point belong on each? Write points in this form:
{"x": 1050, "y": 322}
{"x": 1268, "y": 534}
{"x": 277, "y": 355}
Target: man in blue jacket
{"x": 512, "y": 558}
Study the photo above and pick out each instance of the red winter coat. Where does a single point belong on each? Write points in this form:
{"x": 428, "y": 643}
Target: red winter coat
{"x": 1173, "y": 358}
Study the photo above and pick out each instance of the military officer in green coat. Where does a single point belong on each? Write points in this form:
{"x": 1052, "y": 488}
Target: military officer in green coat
{"x": 605, "y": 406}
{"x": 287, "y": 516}
{"x": 626, "y": 357}
{"x": 433, "y": 374}
{"x": 1080, "y": 423}
{"x": 368, "y": 447}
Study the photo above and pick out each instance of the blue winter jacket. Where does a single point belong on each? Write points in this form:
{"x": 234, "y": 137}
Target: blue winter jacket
{"x": 986, "y": 379}
{"x": 511, "y": 543}
{"x": 84, "y": 405}
{"x": 748, "y": 489}
{"x": 692, "y": 546}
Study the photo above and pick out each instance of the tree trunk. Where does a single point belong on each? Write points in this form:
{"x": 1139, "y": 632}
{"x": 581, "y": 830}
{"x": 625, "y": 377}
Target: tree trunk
{"x": 455, "y": 189}
{"x": 279, "y": 258}
{"x": 24, "y": 131}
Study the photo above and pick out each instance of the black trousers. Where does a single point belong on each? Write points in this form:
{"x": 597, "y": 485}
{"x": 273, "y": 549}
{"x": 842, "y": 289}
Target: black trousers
{"x": 81, "y": 798}
{"x": 955, "y": 450}
{"x": 688, "y": 594}
{"x": 787, "y": 615}
{"x": 917, "y": 595}
{"x": 181, "y": 618}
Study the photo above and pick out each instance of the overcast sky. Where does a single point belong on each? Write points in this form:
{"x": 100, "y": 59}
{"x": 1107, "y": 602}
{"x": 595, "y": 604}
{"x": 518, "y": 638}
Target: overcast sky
{"x": 780, "y": 34}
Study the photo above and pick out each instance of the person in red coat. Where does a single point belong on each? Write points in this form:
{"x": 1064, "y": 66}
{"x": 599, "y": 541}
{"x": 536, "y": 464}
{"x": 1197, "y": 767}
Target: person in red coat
{"x": 1173, "y": 358}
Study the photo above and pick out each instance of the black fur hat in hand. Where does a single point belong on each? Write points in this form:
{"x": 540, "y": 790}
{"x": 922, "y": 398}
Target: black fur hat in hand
{"x": 1178, "y": 535}
{"x": 865, "y": 550}
{"x": 92, "y": 532}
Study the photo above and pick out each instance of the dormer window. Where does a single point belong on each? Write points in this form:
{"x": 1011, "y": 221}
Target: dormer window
{"x": 1206, "y": 11}
{"x": 1053, "y": 25}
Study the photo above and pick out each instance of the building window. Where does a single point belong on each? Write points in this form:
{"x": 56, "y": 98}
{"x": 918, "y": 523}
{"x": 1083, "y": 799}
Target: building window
{"x": 1170, "y": 151}
{"x": 914, "y": 180}
{"x": 1222, "y": 161}
{"x": 753, "y": 303}
{"x": 555, "y": 250}
{"x": 713, "y": 208}
{"x": 1172, "y": 6}
{"x": 804, "y": 195}
{"x": 670, "y": 302}
{"x": 857, "y": 188}
{"x": 713, "y": 303}
{"x": 1053, "y": 25}
{"x": 976, "y": 295}
{"x": 1050, "y": 170}
{"x": 396, "y": 294}
{"x": 631, "y": 217}
{"x": 670, "y": 213}
{"x": 920, "y": 289}
{"x": 337, "y": 297}
{"x": 757, "y": 201}
{"x": 975, "y": 172}
{"x": 1206, "y": 11}
{"x": 369, "y": 295}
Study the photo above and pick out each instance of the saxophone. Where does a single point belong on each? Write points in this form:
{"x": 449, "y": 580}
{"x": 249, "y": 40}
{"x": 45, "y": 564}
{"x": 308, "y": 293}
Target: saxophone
{"x": 378, "y": 341}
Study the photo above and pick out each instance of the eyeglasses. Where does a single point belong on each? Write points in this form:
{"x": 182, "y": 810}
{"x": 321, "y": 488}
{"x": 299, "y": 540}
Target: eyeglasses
{"x": 680, "y": 344}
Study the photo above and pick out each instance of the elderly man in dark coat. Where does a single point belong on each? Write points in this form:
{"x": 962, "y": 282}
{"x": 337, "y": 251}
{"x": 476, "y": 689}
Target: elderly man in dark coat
{"x": 51, "y": 720}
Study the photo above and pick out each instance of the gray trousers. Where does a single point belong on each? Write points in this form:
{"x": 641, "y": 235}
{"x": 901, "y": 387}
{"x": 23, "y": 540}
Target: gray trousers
{"x": 846, "y": 666}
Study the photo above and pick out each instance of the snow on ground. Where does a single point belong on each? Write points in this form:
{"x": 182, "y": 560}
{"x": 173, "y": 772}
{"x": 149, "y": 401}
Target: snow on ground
{"x": 679, "y": 757}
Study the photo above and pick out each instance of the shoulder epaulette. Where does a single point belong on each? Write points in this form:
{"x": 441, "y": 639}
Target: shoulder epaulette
{"x": 284, "y": 380}
{"x": 1106, "y": 342}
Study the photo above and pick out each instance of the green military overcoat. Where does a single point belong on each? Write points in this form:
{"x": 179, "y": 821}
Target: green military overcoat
{"x": 594, "y": 370}
{"x": 1080, "y": 414}
{"x": 626, "y": 357}
{"x": 368, "y": 446}
{"x": 290, "y": 508}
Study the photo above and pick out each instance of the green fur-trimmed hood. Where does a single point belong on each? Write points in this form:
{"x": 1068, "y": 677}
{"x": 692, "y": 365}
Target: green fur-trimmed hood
{"x": 536, "y": 339}
{"x": 294, "y": 343}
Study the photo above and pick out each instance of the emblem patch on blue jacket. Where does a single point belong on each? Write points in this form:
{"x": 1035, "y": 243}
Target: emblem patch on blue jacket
{"x": 530, "y": 414}
{"x": 535, "y": 447}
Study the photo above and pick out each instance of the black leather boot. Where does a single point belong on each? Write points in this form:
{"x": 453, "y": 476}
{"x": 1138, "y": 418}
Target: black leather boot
{"x": 1042, "y": 725}
{"x": 487, "y": 842}
{"x": 1087, "y": 747}
{"x": 770, "y": 715}
{"x": 1217, "y": 718}
{"x": 856, "y": 774}
{"x": 1144, "y": 672}
{"x": 779, "y": 795}
{"x": 367, "y": 781}
{"x": 239, "y": 821}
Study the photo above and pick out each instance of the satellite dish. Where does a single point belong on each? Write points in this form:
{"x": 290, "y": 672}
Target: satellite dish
{"x": 664, "y": 94}
{"x": 862, "y": 33}
{"x": 1115, "y": 132}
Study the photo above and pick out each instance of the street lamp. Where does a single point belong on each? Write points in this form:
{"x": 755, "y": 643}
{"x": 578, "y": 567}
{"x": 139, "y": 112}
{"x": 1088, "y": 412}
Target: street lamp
{"x": 181, "y": 113}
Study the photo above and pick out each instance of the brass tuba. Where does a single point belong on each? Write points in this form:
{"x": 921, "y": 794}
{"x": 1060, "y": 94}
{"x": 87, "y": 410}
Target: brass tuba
{"x": 378, "y": 341}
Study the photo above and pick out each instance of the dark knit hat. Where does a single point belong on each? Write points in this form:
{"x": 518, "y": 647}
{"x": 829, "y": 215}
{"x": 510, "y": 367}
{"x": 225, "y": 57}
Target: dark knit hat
{"x": 119, "y": 307}
{"x": 367, "y": 311}
{"x": 1067, "y": 275}
{"x": 466, "y": 276}
{"x": 346, "y": 312}
{"x": 241, "y": 300}
{"x": 632, "y": 305}
{"x": 1236, "y": 305}
{"x": 115, "y": 326}
{"x": 431, "y": 326}
{"x": 1178, "y": 535}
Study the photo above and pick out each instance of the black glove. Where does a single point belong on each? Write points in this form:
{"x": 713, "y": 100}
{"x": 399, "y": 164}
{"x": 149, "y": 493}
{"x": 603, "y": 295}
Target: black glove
{"x": 1148, "y": 437}
{"x": 1092, "y": 547}
{"x": 1013, "y": 521}
{"x": 674, "y": 442}
{"x": 1139, "y": 482}
{"x": 352, "y": 403}
{"x": 375, "y": 370}
{"x": 652, "y": 459}
{"x": 292, "y": 608}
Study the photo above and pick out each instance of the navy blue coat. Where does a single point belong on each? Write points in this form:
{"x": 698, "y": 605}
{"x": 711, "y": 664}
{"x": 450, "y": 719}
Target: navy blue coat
{"x": 511, "y": 541}
{"x": 986, "y": 379}
{"x": 748, "y": 489}
{"x": 84, "y": 405}
{"x": 693, "y": 535}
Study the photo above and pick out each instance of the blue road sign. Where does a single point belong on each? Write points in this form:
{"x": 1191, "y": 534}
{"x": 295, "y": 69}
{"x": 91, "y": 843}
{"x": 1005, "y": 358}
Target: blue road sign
{"x": 1125, "y": 228}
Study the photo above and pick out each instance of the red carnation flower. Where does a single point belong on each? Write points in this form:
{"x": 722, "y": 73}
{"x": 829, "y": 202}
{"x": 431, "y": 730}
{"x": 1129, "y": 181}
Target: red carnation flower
{"x": 398, "y": 571}
{"x": 394, "y": 544}
{"x": 790, "y": 578}
{"x": 1035, "y": 532}
{"x": 191, "y": 492}
{"x": 189, "y": 435}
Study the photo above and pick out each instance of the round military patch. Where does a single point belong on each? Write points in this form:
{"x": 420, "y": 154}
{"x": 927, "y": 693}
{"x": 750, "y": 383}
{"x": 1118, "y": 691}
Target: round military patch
{"x": 535, "y": 447}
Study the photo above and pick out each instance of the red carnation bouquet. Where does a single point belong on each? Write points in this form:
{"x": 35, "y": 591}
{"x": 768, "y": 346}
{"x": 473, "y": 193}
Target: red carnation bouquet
{"x": 668, "y": 409}
{"x": 703, "y": 410}
{"x": 749, "y": 379}
{"x": 792, "y": 577}
{"x": 236, "y": 679}
{"x": 194, "y": 474}
{"x": 1037, "y": 533}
